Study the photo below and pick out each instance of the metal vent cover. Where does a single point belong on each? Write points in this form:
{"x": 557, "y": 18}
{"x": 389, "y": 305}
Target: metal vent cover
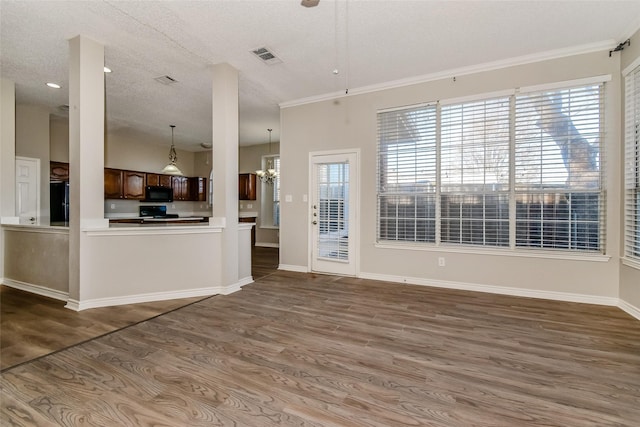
{"x": 266, "y": 56}
{"x": 166, "y": 80}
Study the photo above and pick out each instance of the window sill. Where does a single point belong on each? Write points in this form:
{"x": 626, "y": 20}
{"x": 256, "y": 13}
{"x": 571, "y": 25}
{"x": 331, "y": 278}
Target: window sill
{"x": 533, "y": 253}
{"x": 631, "y": 263}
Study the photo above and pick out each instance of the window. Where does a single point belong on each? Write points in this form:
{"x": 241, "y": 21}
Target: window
{"x": 632, "y": 165}
{"x": 474, "y": 200}
{"x": 513, "y": 171}
{"x": 558, "y": 189}
{"x": 407, "y": 174}
{"x": 270, "y": 194}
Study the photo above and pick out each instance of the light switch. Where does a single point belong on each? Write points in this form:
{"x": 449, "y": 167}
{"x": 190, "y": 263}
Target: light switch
{"x": 249, "y": 205}
{"x": 305, "y": 198}
{"x": 288, "y": 198}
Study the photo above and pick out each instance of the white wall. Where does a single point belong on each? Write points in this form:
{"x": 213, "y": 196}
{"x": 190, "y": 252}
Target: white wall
{"x": 350, "y": 122}
{"x": 32, "y": 140}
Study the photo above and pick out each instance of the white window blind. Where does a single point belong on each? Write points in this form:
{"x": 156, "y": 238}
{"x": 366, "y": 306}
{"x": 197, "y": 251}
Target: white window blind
{"x": 474, "y": 199}
{"x": 558, "y": 187}
{"x": 407, "y": 174}
{"x": 632, "y": 165}
{"x": 517, "y": 171}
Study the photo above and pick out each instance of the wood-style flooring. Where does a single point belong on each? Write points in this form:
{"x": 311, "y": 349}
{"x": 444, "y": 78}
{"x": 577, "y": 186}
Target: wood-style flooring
{"x": 296, "y": 349}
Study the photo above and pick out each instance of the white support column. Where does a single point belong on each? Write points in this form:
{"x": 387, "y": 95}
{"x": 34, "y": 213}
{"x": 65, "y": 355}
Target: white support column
{"x": 7, "y": 160}
{"x": 8, "y": 152}
{"x": 225, "y": 165}
{"x": 86, "y": 155}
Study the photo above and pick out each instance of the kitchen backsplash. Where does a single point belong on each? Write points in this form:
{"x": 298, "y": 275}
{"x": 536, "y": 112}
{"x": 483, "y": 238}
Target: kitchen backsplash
{"x": 131, "y": 208}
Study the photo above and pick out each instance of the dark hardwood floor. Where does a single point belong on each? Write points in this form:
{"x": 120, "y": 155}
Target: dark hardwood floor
{"x": 300, "y": 349}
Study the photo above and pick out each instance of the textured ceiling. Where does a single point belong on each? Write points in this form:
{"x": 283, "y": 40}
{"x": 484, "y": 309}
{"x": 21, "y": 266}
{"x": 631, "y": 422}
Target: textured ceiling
{"x": 369, "y": 42}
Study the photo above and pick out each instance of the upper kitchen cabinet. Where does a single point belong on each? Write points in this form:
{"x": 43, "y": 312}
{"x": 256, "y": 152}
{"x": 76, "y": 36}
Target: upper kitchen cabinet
{"x": 198, "y": 187}
{"x": 58, "y": 171}
{"x": 133, "y": 185}
{"x": 159, "y": 180}
{"x": 247, "y": 186}
{"x": 112, "y": 183}
{"x": 180, "y": 185}
{"x": 119, "y": 184}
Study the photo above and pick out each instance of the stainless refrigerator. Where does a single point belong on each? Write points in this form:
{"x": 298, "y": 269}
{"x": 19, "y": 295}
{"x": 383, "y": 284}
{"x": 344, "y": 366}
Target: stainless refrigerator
{"x": 59, "y": 203}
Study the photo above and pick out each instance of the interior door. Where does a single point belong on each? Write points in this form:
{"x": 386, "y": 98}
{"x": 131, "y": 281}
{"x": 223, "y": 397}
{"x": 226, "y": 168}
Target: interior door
{"x": 27, "y": 190}
{"x": 333, "y": 213}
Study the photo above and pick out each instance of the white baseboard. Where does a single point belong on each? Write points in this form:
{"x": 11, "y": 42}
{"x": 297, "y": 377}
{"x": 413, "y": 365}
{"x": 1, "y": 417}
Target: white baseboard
{"x": 139, "y": 298}
{"x": 267, "y": 245}
{"x": 36, "y": 289}
{"x": 632, "y": 310}
{"x": 504, "y": 290}
{"x": 296, "y": 268}
{"x": 237, "y": 286}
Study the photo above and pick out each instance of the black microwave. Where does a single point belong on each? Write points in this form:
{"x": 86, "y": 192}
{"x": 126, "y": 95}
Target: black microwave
{"x": 154, "y": 193}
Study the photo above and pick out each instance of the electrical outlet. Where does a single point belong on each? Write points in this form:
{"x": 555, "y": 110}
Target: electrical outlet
{"x": 173, "y": 206}
{"x": 249, "y": 205}
{"x": 113, "y": 205}
{"x": 441, "y": 262}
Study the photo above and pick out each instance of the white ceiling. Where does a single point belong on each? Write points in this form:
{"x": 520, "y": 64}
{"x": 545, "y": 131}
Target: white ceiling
{"x": 369, "y": 42}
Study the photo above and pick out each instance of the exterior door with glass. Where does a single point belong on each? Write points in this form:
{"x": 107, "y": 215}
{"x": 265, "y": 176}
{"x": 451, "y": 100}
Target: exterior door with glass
{"x": 333, "y": 213}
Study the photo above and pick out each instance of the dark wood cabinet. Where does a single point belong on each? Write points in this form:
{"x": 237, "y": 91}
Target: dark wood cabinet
{"x": 133, "y": 185}
{"x": 112, "y": 183}
{"x": 247, "y": 186}
{"x": 180, "y": 185}
{"x": 58, "y": 171}
{"x": 198, "y": 187}
{"x": 253, "y": 229}
{"x": 158, "y": 180}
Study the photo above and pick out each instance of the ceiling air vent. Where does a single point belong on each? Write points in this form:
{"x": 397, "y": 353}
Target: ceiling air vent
{"x": 166, "y": 80}
{"x": 266, "y": 56}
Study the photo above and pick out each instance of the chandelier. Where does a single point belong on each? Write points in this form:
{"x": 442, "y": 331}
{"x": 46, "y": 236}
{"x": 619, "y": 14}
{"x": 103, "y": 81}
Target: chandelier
{"x": 270, "y": 175}
{"x": 171, "y": 168}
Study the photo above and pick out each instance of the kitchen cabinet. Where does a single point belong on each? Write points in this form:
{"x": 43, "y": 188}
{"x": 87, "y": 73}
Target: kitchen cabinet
{"x": 119, "y": 184}
{"x": 58, "y": 171}
{"x": 247, "y": 186}
{"x": 253, "y": 229}
{"x": 198, "y": 187}
{"x": 159, "y": 180}
{"x": 112, "y": 183}
{"x": 133, "y": 185}
{"x": 180, "y": 185}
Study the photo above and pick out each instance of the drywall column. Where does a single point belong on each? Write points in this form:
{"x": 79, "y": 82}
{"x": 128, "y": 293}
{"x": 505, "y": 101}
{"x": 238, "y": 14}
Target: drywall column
{"x": 8, "y": 152}
{"x": 7, "y": 160}
{"x": 86, "y": 157}
{"x": 225, "y": 165}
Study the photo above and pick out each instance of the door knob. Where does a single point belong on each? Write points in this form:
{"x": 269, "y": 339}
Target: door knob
{"x": 314, "y": 222}
{"x": 32, "y": 219}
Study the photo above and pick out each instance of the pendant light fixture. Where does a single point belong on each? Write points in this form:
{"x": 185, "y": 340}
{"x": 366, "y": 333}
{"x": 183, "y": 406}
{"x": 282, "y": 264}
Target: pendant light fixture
{"x": 171, "y": 168}
{"x": 270, "y": 174}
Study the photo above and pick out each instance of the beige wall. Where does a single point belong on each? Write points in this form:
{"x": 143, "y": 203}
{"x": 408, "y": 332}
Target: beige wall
{"x": 32, "y": 140}
{"x": 37, "y": 257}
{"x": 250, "y": 160}
{"x": 59, "y": 139}
{"x": 351, "y": 123}
{"x": 630, "y": 276}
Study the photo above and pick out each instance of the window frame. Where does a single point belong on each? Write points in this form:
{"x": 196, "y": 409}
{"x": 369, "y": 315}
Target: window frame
{"x": 512, "y": 248}
{"x": 631, "y": 190}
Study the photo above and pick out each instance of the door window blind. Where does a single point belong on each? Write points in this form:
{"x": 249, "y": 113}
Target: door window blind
{"x": 632, "y": 165}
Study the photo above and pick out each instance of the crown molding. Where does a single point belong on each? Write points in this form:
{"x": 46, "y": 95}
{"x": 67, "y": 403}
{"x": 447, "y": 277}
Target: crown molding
{"x": 456, "y": 72}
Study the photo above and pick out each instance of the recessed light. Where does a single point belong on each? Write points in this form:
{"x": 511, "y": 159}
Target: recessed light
{"x": 54, "y": 85}
{"x": 107, "y": 69}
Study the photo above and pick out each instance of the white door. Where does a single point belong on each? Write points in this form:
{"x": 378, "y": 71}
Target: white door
{"x": 334, "y": 196}
{"x": 27, "y": 190}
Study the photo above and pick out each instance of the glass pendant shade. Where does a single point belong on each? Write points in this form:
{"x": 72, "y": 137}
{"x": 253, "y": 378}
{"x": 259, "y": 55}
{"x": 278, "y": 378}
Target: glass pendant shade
{"x": 171, "y": 168}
